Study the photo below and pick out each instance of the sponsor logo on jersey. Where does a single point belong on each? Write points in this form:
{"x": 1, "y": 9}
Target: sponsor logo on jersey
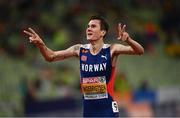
{"x": 104, "y": 56}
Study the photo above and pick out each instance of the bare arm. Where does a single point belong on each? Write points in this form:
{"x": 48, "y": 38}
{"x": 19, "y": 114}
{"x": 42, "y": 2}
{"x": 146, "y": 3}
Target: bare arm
{"x": 132, "y": 48}
{"x": 48, "y": 54}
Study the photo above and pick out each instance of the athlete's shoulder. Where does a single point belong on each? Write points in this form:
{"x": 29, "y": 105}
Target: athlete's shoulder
{"x": 86, "y": 46}
{"x": 106, "y": 46}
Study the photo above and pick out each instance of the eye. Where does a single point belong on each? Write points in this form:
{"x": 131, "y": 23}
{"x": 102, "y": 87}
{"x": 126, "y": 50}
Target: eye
{"x": 88, "y": 26}
{"x": 93, "y": 26}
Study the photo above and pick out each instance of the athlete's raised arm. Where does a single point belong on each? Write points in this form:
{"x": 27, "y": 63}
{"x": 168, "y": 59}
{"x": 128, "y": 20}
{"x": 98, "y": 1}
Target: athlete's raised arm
{"x": 48, "y": 54}
{"x": 133, "y": 47}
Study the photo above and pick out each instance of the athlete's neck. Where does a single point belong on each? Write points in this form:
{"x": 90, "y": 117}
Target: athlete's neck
{"x": 96, "y": 46}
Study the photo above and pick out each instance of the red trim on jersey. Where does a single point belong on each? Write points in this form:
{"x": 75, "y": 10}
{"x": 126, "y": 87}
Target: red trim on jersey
{"x": 110, "y": 85}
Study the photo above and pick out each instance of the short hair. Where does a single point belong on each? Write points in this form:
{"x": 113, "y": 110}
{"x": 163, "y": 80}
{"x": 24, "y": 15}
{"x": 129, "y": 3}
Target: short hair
{"x": 103, "y": 23}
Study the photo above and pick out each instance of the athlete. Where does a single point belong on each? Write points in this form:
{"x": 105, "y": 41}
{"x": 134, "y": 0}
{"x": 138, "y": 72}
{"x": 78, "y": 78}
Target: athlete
{"x": 97, "y": 64}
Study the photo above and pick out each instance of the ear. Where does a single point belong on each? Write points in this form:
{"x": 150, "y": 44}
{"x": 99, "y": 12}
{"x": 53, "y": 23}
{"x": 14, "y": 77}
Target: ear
{"x": 103, "y": 32}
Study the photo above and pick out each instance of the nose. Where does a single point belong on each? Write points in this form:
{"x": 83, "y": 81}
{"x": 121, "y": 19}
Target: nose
{"x": 88, "y": 29}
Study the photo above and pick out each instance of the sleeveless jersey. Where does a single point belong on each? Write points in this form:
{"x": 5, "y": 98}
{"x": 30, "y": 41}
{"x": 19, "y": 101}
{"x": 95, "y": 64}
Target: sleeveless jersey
{"x": 97, "y": 82}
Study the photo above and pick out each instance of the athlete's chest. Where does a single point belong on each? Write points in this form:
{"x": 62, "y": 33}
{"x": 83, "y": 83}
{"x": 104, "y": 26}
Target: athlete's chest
{"x": 87, "y": 57}
{"x": 94, "y": 63}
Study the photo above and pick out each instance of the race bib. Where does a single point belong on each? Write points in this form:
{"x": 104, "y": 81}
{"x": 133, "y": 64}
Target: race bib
{"x": 115, "y": 106}
{"x": 94, "y": 87}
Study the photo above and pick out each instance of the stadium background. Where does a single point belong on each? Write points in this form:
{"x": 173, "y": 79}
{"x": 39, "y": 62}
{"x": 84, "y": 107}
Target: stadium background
{"x": 146, "y": 85}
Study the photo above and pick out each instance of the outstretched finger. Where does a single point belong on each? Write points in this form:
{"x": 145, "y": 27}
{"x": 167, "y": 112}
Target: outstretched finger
{"x": 123, "y": 28}
{"x": 120, "y": 27}
{"x": 32, "y": 31}
{"x": 28, "y": 33}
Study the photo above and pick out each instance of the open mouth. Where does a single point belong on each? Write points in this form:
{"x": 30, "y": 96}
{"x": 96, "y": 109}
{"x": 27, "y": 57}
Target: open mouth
{"x": 89, "y": 34}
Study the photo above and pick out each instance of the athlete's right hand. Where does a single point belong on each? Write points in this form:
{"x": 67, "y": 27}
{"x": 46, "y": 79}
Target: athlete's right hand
{"x": 33, "y": 37}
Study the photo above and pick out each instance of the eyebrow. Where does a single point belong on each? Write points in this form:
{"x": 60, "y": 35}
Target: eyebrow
{"x": 91, "y": 25}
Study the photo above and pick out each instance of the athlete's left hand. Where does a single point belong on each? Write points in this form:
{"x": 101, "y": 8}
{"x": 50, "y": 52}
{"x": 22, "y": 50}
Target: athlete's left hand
{"x": 122, "y": 34}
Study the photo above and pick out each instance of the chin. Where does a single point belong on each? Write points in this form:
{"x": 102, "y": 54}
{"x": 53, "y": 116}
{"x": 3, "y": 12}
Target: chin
{"x": 91, "y": 39}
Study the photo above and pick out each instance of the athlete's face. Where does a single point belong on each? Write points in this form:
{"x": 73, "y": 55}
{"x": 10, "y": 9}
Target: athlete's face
{"x": 93, "y": 31}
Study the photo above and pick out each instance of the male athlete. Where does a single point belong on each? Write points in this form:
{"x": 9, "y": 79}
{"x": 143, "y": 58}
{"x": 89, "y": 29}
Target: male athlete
{"x": 97, "y": 64}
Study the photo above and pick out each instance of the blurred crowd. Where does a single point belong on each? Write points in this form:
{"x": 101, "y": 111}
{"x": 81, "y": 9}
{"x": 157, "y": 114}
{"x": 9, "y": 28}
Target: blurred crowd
{"x": 61, "y": 23}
